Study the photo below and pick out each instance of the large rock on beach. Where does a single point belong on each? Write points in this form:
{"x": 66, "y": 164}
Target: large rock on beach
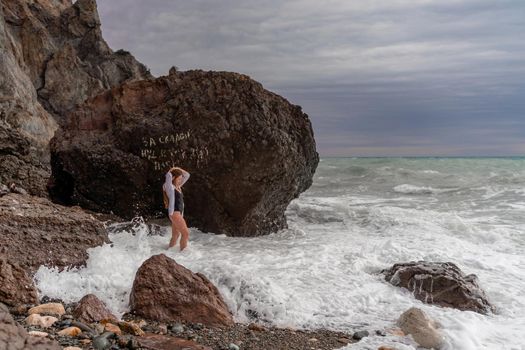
{"x": 35, "y": 231}
{"x": 168, "y": 292}
{"x": 52, "y": 57}
{"x": 440, "y": 283}
{"x": 91, "y": 309}
{"x": 16, "y": 287}
{"x": 249, "y": 151}
{"x": 14, "y": 337}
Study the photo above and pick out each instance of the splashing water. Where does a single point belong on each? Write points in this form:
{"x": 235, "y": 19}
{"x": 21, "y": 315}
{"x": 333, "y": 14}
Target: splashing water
{"x": 359, "y": 217}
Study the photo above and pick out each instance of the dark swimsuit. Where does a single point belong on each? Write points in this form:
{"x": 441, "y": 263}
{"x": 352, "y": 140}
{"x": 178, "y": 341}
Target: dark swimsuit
{"x": 179, "y": 202}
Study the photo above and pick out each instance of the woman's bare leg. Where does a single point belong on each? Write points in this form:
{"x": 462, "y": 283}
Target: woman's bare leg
{"x": 174, "y": 233}
{"x": 181, "y": 226}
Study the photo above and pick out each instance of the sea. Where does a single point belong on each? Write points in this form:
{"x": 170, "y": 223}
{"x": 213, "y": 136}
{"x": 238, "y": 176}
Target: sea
{"x": 360, "y": 216}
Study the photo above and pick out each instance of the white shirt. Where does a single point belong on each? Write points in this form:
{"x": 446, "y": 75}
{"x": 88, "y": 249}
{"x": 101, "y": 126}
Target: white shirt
{"x": 169, "y": 188}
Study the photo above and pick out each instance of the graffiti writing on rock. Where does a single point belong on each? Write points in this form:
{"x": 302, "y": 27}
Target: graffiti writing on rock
{"x": 163, "y": 149}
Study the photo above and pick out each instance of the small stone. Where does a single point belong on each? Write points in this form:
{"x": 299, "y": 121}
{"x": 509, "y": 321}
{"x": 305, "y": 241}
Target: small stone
{"x": 123, "y": 340}
{"x": 72, "y": 348}
{"x": 133, "y": 344}
{"x": 40, "y": 321}
{"x": 110, "y": 327}
{"x": 344, "y": 340}
{"x": 70, "y": 332}
{"x": 38, "y": 334}
{"x": 198, "y": 326}
{"x": 63, "y": 324}
{"x": 85, "y": 341}
{"x": 233, "y": 346}
{"x": 381, "y": 333}
{"x": 313, "y": 340}
{"x": 177, "y": 328}
{"x": 360, "y": 335}
{"x": 131, "y": 328}
{"x": 49, "y": 308}
{"x": 140, "y": 323}
{"x": 102, "y": 342}
{"x": 256, "y": 327}
{"x": 82, "y": 326}
{"x": 19, "y": 310}
{"x": 396, "y": 331}
{"x": 163, "y": 329}
{"x": 99, "y": 328}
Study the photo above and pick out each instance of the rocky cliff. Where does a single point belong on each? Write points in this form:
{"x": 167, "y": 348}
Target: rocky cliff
{"x": 52, "y": 57}
{"x": 118, "y": 130}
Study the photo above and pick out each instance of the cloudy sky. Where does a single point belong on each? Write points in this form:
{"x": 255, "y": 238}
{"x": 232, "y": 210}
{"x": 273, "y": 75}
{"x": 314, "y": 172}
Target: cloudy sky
{"x": 376, "y": 77}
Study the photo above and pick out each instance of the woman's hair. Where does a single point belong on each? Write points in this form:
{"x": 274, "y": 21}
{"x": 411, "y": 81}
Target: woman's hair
{"x": 175, "y": 173}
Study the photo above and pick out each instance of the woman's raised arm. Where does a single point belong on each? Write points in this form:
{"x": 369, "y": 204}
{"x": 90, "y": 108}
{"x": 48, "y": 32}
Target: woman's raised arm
{"x": 185, "y": 176}
{"x": 170, "y": 192}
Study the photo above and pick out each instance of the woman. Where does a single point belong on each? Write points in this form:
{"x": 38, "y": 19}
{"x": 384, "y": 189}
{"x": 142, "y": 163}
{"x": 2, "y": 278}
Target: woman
{"x": 174, "y": 202}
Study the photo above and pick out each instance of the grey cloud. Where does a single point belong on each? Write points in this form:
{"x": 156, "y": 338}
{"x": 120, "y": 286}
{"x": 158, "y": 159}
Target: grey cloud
{"x": 406, "y": 76}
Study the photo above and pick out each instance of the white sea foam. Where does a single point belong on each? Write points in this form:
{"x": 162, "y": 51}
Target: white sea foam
{"x": 324, "y": 271}
{"x": 412, "y": 189}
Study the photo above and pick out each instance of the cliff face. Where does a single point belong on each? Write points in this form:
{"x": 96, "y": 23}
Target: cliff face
{"x": 250, "y": 151}
{"x": 52, "y": 57}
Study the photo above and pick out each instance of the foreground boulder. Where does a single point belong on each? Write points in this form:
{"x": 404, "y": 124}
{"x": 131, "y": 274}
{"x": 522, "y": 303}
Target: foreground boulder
{"x": 14, "y": 337}
{"x": 424, "y": 330}
{"x": 16, "y": 287}
{"x": 36, "y": 232}
{"x": 52, "y": 57}
{"x": 440, "y": 283}
{"x": 249, "y": 151}
{"x": 166, "y": 291}
{"x": 91, "y": 309}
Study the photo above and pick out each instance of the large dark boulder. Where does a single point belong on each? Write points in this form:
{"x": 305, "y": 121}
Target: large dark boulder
{"x": 443, "y": 284}
{"x": 35, "y": 231}
{"x": 249, "y": 151}
{"x": 166, "y": 291}
{"x": 52, "y": 57}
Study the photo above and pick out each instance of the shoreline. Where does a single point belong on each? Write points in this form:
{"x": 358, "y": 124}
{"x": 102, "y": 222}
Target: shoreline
{"x": 251, "y": 336}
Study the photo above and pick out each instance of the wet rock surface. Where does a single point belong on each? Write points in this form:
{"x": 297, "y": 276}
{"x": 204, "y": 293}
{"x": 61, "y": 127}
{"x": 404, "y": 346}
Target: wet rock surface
{"x": 249, "y": 151}
{"x": 16, "y": 287}
{"x": 166, "y": 291}
{"x": 92, "y": 309}
{"x": 440, "y": 283}
{"x": 38, "y": 232}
